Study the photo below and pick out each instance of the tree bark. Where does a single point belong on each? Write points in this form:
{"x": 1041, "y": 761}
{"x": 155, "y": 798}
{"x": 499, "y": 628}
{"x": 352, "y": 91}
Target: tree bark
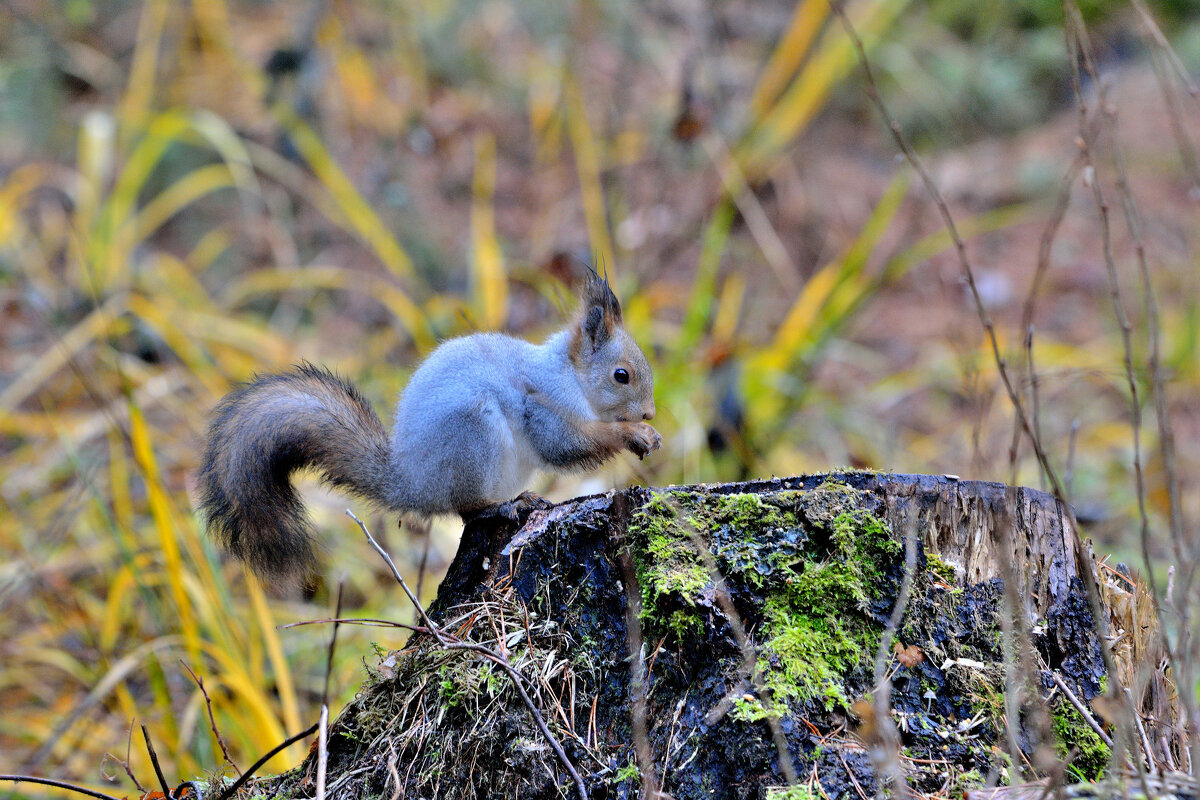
{"x": 722, "y": 641}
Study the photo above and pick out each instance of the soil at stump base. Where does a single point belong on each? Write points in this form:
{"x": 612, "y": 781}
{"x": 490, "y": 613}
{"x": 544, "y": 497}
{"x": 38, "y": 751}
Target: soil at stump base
{"x": 797, "y": 576}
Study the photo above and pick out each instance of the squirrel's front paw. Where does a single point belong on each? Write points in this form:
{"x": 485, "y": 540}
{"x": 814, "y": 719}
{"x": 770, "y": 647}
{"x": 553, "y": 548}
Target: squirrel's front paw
{"x": 643, "y": 439}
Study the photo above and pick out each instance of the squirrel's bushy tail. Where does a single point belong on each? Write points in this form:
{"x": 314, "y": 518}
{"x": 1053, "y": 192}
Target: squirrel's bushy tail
{"x": 260, "y": 434}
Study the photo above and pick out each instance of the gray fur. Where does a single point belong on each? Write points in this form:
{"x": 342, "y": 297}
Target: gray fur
{"x": 477, "y": 419}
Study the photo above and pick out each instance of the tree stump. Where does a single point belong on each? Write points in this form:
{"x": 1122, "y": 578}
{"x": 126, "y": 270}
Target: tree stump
{"x": 717, "y": 640}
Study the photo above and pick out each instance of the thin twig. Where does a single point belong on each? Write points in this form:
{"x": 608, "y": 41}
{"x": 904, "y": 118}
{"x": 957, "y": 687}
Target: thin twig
{"x": 960, "y": 247}
{"x": 1046, "y": 243}
{"x": 1181, "y": 70}
{"x": 395, "y": 775}
{"x": 450, "y": 642}
{"x": 749, "y": 654}
{"x": 1081, "y": 708}
{"x": 902, "y": 599}
{"x": 872, "y": 89}
{"x": 1079, "y": 49}
{"x": 337, "y": 613}
{"x": 853, "y": 780}
{"x": 322, "y": 750}
{"x": 1033, "y": 391}
{"x": 1142, "y": 732}
{"x": 1069, "y": 471}
{"x": 212, "y": 722}
{"x": 886, "y": 744}
{"x": 125, "y": 763}
{"x": 1015, "y": 637}
{"x": 323, "y": 723}
{"x": 162, "y": 779}
{"x": 366, "y": 622}
{"x": 1086, "y": 573}
{"x": 231, "y": 790}
{"x": 427, "y": 536}
{"x": 58, "y": 785}
{"x": 638, "y": 679}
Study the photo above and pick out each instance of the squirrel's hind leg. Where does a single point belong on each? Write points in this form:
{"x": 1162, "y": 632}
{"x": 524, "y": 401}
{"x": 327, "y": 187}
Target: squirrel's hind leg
{"x": 516, "y": 510}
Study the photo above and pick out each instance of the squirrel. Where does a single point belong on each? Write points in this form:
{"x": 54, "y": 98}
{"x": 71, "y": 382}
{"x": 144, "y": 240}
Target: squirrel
{"x": 477, "y": 418}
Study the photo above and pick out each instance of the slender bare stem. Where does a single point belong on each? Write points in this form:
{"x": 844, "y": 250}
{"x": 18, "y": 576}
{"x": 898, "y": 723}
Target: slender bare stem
{"x": 58, "y": 785}
{"x": 450, "y": 642}
{"x": 162, "y": 779}
{"x": 1081, "y": 708}
{"x": 212, "y": 722}
{"x": 232, "y": 788}
{"x": 322, "y": 750}
{"x": 749, "y": 654}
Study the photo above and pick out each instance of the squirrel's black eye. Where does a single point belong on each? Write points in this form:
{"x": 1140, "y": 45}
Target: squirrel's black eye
{"x": 621, "y": 375}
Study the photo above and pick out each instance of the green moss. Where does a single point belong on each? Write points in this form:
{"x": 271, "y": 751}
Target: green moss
{"x": 668, "y": 565}
{"x": 798, "y": 792}
{"x": 941, "y": 568}
{"x": 817, "y": 631}
{"x": 747, "y": 512}
{"x": 629, "y": 772}
{"x": 1072, "y": 732}
{"x": 965, "y": 782}
{"x": 816, "y": 559}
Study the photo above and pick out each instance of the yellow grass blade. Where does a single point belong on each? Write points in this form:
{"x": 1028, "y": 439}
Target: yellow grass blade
{"x": 139, "y": 94}
{"x": 160, "y": 510}
{"x": 487, "y": 262}
{"x": 362, "y": 218}
{"x": 266, "y": 281}
{"x": 90, "y": 328}
{"x": 587, "y": 165}
{"x": 208, "y": 249}
{"x": 785, "y": 59}
{"x": 283, "y": 673}
{"x": 832, "y": 60}
{"x": 16, "y": 188}
{"x": 729, "y": 308}
{"x": 172, "y": 200}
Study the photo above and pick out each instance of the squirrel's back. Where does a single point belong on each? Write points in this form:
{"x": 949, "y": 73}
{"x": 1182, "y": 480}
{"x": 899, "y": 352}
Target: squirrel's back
{"x": 459, "y": 442}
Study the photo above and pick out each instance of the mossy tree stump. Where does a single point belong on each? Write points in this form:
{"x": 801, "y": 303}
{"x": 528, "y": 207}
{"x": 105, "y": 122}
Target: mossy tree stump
{"x": 796, "y": 576}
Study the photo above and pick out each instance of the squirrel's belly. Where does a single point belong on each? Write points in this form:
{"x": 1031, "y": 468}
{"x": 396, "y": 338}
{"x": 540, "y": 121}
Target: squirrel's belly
{"x": 518, "y": 466}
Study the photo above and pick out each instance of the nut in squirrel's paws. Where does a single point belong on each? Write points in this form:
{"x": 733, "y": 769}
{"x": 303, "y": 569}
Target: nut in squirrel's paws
{"x": 644, "y": 439}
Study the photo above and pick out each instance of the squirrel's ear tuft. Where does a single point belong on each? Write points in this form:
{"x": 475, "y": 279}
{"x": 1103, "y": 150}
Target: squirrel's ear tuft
{"x": 598, "y": 294}
{"x": 601, "y": 312}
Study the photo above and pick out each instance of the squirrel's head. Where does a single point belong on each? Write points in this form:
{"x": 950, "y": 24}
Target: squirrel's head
{"x": 611, "y": 367}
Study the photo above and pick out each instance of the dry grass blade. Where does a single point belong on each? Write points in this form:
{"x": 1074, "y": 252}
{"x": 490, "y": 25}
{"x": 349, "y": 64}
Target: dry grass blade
{"x": 487, "y": 260}
{"x": 449, "y": 642}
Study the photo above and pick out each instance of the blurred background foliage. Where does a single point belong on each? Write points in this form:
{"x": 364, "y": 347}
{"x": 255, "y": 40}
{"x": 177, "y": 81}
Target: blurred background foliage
{"x": 193, "y": 192}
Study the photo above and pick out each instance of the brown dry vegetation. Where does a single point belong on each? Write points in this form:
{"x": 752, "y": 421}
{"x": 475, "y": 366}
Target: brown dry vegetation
{"x": 175, "y": 217}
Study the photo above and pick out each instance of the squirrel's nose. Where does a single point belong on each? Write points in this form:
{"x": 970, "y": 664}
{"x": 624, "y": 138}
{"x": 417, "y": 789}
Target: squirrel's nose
{"x": 648, "y": 415}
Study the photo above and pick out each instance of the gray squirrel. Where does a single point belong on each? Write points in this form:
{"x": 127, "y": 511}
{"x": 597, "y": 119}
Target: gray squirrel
{"x": 477, "y": 418}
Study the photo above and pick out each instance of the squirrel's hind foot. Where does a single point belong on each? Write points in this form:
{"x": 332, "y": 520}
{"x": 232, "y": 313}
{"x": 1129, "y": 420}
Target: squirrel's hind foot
{"x": 515, "y": 510}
